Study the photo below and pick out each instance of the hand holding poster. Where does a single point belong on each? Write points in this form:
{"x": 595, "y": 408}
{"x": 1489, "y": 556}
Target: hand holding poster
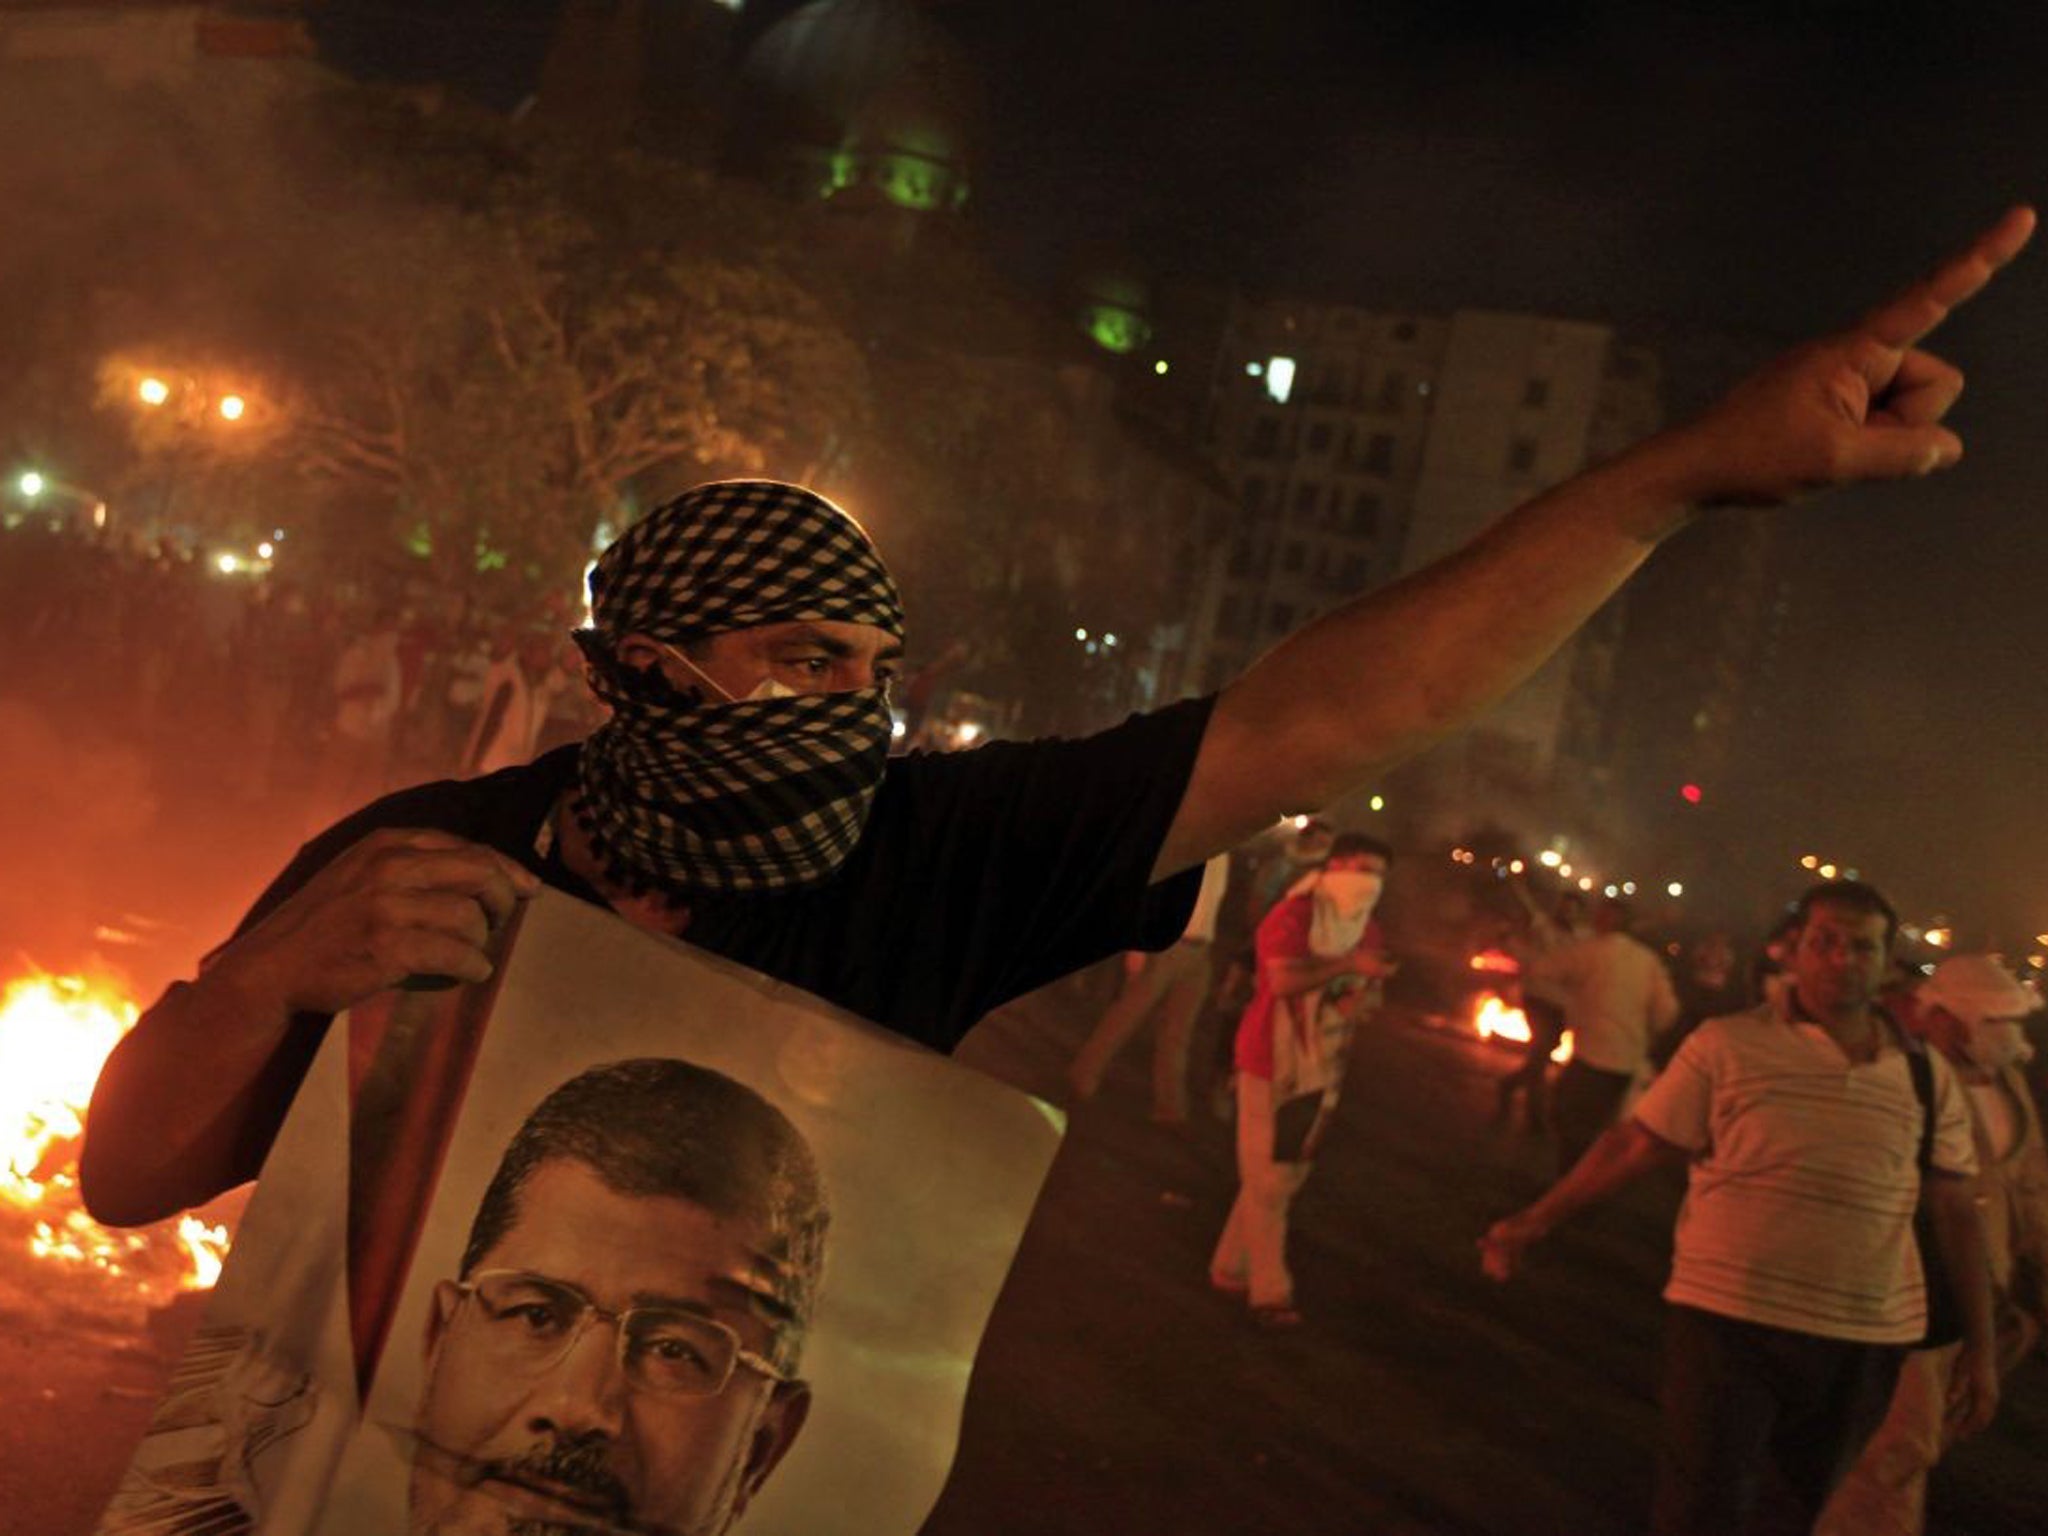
{"x": 700, "y": 1251}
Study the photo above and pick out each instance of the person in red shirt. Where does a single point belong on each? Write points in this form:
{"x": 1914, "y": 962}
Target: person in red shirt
{"x": 1319, "y": 959}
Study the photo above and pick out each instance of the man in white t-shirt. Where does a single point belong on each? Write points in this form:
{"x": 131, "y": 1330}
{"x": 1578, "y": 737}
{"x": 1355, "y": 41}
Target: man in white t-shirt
{"x": 1617, "y": 998}
{"x": 1796, "y": 1283}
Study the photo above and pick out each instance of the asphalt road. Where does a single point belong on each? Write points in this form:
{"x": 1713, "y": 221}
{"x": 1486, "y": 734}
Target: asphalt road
{"x": 1117, "y": 1393}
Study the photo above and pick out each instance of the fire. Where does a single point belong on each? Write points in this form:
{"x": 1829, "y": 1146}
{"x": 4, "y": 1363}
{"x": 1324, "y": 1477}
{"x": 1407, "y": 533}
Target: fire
{"x": 55, "y": 1035}
{"x": 1493, "y": 1018}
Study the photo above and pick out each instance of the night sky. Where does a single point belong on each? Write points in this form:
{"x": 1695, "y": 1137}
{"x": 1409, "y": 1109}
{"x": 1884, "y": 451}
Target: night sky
{"x": 1717, "y": 178}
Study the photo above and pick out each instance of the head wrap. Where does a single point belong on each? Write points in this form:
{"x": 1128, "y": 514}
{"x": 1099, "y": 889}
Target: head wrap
{"x": 687, "y": 795}
{"x": 1975, "y": 988}
{"x": 735, "y": 554}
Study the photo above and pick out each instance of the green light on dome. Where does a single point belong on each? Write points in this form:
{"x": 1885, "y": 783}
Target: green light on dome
{"x": 1114, "y": 328}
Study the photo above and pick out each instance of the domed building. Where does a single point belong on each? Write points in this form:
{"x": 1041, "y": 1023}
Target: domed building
{"x": 861, "y": 101}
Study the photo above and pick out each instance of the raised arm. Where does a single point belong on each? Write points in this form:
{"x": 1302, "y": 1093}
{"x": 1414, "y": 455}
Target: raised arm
{"x": 1308, "y": 723}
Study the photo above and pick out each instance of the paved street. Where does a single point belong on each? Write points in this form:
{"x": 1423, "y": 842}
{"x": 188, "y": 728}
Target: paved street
{"x": 1116, "y": 1393}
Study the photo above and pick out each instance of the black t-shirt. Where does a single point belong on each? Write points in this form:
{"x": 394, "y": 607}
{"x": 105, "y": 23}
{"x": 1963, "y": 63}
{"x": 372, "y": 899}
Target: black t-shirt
{"x": 980, "y": 875}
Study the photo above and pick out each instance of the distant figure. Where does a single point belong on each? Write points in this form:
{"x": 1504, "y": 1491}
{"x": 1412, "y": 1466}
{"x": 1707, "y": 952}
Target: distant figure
{"x": 513, "y": 705}
{"x": 1536, "y": 949}
{"x": 1319, "y": 955}
{"x": 1176, "y": 982}
{"x": 1617, "y": 998}
{"x": 1972, "y": 1011}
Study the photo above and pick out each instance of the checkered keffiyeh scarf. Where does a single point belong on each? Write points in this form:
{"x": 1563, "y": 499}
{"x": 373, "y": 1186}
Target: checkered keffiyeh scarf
{"x": 683, "y": 795}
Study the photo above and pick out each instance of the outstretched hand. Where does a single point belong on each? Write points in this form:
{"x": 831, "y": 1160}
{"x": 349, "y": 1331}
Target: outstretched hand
{"x": 1864, "y": 404}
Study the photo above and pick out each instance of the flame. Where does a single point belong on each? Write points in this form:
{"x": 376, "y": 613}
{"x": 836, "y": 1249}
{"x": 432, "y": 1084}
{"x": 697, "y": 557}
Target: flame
{"x": 1498, "y": 961}
{"x": 55, "y": 1035}
{"x": 1493, "y": 1018}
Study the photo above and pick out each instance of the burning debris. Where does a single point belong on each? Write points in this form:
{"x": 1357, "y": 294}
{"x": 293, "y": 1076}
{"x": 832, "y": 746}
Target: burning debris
{"x": 55, "y": 1035}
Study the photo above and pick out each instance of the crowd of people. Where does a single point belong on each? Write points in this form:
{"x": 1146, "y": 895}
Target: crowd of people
{"x": 324, "y": 694}
{"x": 1810, "y": 1102}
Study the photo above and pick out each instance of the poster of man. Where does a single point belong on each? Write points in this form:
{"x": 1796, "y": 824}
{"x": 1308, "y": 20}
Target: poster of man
{"x": 700, "y": 1254}
{"x": 622, "y": 1347}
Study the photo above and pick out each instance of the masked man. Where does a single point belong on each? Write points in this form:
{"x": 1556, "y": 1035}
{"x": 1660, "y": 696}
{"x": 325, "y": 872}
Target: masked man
{"x": 1319, "y": 957}
{"x": 742, "y": 796}
{"x": 1971, "y": 1010}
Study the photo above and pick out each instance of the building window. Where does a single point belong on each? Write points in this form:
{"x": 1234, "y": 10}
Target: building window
{"x": 1280, "y": 617}
{"x": 1306, "y": 494}
{"x": 1521, "y": 455}
{"x": 1365, "y": 515}
{"x": 1290, "y": 559}
{"x": 1379, "y": 454}
{"x": 1404, "y": 330}
{"x": 1319, "y": 438}
{"x": 1536, "y": 394}
{"x": 1354, "y": 572}
{"x": 1265, "y": 438}
{"x": 1393, "y": 392}
{"x": 1255, "y": 494}
{"x": 1240, "y": 559}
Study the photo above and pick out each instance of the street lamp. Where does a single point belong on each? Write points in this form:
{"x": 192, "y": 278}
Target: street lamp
{"x": 232, "y": 407}
{"x": 31, "y": 485}
{"x": 153, "y": 391}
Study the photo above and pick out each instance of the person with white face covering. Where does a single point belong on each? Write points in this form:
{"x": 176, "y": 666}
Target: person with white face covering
{"x": 1972, "y": 1010}
{"x": 1320, "y": 959}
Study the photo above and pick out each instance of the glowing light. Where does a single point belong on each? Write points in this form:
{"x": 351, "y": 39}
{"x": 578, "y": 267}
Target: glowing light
{"x": 1280, "y": 378}
{"x": 1109, "y": 640}
{"x": 226, "y": 564}
{"x": 1493, "y": 1019}
{"x": 898, "y": 729}
{"x": 1160, "y": 368}
{"x": 2041, "y": 939}
{"x": 1628, "y": 887}
{"x": 1255, "y": 370}
{"x": 153, "y": 391}
{"x": 1564, "y": 871}
{"x": 1810, "y": 861}
{"x": 1377, "y": 803}
{"x": 266, "y": 549}
{"x": 1941, "y": 938}
{"x": 99, "y": 514}
{"x": 2035, "y": 962}
{"x": 1549, "y": 858}
{"x": 1827, "y": 871}
{"x": 1585, "y": 882}
{"x": 32, "y": 485}
{"x": 1299, "y": 823}
{"x": 1610, "y": 891}
{"x": 232, "y": 407}
{"x": 1497, "y": 961}
{"x": 1516, "y": 867}
{"x": 1081, "y": 634}
{"x": 966, "y": 733}
{"x": 1690, "y": 794}
{"x": 1675, "y": 888}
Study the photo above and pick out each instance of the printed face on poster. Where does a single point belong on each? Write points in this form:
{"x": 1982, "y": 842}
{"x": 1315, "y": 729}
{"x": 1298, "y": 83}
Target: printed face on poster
{"x": 702, "y": 1255}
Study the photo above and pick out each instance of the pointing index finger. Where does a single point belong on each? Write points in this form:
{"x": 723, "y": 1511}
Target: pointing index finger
{"x": 1902, "y": 321}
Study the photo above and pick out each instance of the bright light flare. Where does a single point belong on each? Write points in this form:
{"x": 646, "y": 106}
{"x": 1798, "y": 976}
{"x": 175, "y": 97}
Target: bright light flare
{"x": 232, "y": 407}
{"x": 1940, "y": 938}
{"x": 1494, "y": 1019}
{"x": 1675, "y": 888}
{"x": 32, "y": 485}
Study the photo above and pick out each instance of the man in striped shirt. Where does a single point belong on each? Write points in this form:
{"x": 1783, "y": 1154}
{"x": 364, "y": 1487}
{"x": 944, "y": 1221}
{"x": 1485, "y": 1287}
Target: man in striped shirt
{"x": 1796, "y": 1284}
